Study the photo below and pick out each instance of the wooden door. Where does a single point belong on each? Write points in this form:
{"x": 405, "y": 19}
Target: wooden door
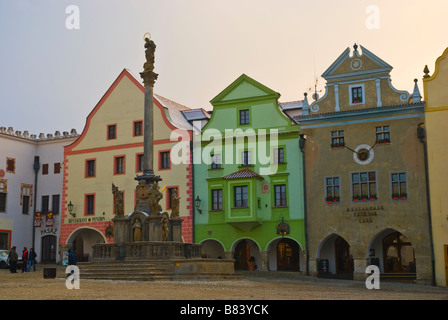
{"x": 49, "y": 249}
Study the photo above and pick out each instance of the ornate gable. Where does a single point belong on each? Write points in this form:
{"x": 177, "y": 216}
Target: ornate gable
{"x": 356, "y": 81}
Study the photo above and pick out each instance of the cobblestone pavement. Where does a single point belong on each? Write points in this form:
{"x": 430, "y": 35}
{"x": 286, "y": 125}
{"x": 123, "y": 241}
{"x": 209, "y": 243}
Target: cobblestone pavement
{"x": 252, "y": 286}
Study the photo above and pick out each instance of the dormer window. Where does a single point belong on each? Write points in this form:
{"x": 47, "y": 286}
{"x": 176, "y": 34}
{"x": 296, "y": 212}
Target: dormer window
{"x": 356, "y": 94}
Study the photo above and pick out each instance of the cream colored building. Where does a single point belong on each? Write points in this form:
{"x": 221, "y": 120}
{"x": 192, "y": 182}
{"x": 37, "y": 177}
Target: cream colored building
{"x": 109, "y": 151}
{"x": 436, "y": 97}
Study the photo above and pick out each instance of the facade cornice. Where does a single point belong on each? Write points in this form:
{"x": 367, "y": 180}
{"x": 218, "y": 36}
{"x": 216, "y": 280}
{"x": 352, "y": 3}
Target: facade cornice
{"x": 360, "y": 114}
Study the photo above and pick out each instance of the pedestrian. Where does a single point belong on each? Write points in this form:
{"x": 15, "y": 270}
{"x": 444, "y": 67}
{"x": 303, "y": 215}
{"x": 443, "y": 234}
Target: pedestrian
{"x": 12, "y": 258}
{"x": 24, "y": 259}
{"x": 32, "y": 259}
{"x": 71, "y": 258}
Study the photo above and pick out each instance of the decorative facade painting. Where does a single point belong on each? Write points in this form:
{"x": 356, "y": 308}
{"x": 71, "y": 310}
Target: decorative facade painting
{"x": 10, "y": 165}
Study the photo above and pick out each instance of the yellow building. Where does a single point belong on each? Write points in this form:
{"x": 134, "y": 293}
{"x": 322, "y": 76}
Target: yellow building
{"x": 365, "y": 174}
{"x": 436, "y": 97}
{"x": 110, "y": 151}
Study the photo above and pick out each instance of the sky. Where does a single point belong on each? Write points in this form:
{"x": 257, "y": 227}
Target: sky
{"x": 57, "y": 62}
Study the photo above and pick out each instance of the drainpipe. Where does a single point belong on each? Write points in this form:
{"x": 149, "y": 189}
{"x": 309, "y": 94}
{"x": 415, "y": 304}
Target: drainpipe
{"x": 302, "y": 141}
{"x": 36, "y": 167}
{"x": 192, "y": 188}
{"x": 421, "y": 134}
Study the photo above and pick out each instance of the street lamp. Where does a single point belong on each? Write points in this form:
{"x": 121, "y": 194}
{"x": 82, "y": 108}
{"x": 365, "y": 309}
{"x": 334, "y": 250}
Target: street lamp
{"x": 70, "y": 209}
{"x": 197, "y": 203}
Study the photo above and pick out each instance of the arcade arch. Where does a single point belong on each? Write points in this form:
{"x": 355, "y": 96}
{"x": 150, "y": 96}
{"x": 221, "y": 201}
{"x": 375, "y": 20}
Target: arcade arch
{"x": 82, "y": 240}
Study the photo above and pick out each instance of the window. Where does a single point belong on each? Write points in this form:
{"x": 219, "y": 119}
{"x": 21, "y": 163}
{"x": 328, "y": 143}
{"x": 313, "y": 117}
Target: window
{"x": 55, "y": 203}
{"x": 90, "y": 204}
{"x": 246, "y": 158}
{"x": 45, "y": 168}
{"x": 45, "y": 204}
{"x": 382, "y": 134}
{"x": 279, "y": 155}
{"x": 332, "y": 189}
{"x": 26, "y": 191}
{"x": 399, "y": 185}
{"x": 337, "y": 139}
{"x": 25, "y": 204}
{"x": 57, "y": 168}
{"x": 244, "y": 116}
{"x": 3, "y": 194}
{"x": 2, "y": 201}
{"x": 240, "y": 194}
{"x": 138, "y": 128}
{"x": 217, "y": 199}
{"x": 119, "y": 165}
{"x": 90, "y": 168}
{"x": 216, "y": 161}
{"x": 364, "y": 186}
{"x": 139, "y": 163}
{"x": 357, "y": 95}
{"x": 165, "y": 160}
{"x": 280, "y": 195}
{"x": 112, "y": 132}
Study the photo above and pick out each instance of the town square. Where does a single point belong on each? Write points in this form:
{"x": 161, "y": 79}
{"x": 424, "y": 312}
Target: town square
{"x": 228, "y": 150}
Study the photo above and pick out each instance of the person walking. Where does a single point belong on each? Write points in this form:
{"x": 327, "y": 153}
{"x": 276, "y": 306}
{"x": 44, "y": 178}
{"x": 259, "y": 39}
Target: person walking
{"x": 24, "y": 259}
{"x": 32, "y": 260}
{"x": 71, "y": 257}
{"x": 12, "y": 258}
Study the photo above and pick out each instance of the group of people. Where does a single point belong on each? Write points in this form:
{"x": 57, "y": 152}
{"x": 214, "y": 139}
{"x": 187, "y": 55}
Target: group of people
{"x": 28, "y": 260}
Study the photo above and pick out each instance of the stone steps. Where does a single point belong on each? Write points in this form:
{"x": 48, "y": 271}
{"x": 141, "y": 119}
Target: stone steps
{"x": 123, "y": 270}
{"x": 144, "y": 271}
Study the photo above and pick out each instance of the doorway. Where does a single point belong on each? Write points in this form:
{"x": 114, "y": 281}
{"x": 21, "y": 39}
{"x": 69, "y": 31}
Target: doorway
{"x": 287, "y": 255}
{"x": 344, "y": 262}
{"x": 242, "y": 254}
{"x": 398, "y": 254}
{"x": 78, "y": 248}
{"x": 48, "y": 249}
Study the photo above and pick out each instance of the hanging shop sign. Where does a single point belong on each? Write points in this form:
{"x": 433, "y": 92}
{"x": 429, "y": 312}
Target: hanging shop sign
{"x": 49, "y": 221}
{"x": 283, "y": 228}
{"x": 37, "y": 219}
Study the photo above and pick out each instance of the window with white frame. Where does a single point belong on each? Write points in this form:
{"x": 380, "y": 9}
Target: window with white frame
{"x": 356, "y": 94}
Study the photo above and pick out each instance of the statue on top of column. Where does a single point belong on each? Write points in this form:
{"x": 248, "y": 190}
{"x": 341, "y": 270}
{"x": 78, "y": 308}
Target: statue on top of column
{"x": 149, "y": 53}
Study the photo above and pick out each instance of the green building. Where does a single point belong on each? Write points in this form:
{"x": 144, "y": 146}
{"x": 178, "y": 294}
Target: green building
{"x": 248, "y": 181}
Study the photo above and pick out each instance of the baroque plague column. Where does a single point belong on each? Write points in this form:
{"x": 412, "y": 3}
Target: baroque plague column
{"x": 148, "y": 222}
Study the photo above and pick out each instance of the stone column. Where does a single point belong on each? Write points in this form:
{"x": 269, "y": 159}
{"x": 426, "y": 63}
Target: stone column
{"x": 360, "y": 265}
{"x": 149, "y": 77}
{"x": 313, "y": 264}
{"x": 264, "y": 261}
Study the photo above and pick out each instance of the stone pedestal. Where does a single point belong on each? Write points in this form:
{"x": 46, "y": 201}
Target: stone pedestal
{"x": 176, "y": 229}
{"x": 120, "y": 229}
{"x": 154, "y": 228}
